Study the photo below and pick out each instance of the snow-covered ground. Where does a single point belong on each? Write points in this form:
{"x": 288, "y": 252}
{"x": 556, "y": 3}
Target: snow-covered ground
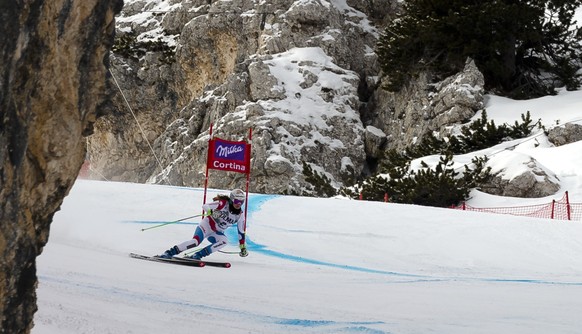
{"x": 321, "y": 265}
{"x": 315, "y": 266}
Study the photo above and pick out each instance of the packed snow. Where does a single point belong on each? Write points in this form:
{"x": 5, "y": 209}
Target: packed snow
{"x": 323, "y": 265}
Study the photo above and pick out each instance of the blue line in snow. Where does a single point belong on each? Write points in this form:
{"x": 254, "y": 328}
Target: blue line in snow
{"x": 258, "y": 200}
{"x": 344, "y": 326}
{"x": 263, "y": 250}
{"x": 255, "y": 202}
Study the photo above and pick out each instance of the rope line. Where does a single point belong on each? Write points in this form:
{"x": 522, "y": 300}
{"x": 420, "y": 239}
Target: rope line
{"x": 91, "y": 170}
{"x": 139, "y": 125}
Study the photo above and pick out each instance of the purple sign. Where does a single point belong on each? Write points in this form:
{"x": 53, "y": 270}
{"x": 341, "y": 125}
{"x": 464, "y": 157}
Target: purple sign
{"x": 227, "y": 155}
{"x": 229, "y": 151}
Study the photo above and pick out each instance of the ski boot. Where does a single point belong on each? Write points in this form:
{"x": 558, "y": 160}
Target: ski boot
{"x": 200, "y": 254}
{"x": 170, "y": 253}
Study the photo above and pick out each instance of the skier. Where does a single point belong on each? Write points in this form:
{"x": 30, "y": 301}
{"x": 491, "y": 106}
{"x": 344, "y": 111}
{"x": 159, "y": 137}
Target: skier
{"x": 221, "y": 214}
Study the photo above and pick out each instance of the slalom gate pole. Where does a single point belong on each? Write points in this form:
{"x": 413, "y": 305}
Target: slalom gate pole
{"x": 174, "y": 222}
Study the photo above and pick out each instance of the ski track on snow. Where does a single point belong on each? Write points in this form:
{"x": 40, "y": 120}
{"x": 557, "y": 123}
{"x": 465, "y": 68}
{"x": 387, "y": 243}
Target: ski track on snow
{"x": 256, "y": 201}
{"x": 330, "y": 326}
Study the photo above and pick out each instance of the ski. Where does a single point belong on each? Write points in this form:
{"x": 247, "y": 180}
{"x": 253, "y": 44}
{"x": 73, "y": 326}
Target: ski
{"x": 181, "y": 261}
{"x": 206, "y": 263}
{"x": 192, "y": 263}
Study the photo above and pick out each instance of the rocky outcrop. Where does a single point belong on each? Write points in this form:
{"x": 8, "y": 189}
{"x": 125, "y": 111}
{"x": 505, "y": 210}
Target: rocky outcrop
{"x": 284, "y": 135}
{"x": 523, "y": 177}
{"x": 223, "y": 73}
{"x": 562, "y": 135}
{"x": 423, "y": 107}
{"x": 53, "y": 63}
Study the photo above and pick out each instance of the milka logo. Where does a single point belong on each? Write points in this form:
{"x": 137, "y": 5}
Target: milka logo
{"x": 225, "y": 151}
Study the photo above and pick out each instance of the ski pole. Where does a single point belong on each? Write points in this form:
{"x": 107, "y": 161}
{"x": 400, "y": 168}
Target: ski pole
{"x": 225, "y": 252}
{"x": 174, "y": 222}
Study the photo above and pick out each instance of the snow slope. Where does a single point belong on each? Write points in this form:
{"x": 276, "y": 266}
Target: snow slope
{"x": 315, "y": 266}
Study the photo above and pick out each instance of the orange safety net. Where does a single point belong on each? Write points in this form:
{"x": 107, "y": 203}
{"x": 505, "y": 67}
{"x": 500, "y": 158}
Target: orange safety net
{"x": 561, "y": 209}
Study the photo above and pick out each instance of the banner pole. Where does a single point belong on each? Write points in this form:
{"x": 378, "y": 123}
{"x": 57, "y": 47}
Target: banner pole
{"x": 206, "y": 176}
{"x": 248, "y": 177}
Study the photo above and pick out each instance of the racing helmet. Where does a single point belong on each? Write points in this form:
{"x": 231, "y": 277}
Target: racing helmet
{"x": 237, "y": 196}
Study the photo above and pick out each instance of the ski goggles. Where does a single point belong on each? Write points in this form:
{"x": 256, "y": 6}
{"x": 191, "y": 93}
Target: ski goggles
{"x": 238, "y": 202}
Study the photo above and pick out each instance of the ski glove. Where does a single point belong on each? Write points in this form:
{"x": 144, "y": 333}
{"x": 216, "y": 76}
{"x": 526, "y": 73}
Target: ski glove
{"x": 214, "y": 214}
{"x": 243, "y": 250}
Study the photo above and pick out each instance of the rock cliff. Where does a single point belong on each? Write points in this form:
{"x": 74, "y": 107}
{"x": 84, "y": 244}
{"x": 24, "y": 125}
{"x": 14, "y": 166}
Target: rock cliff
{"x": 303, "y": 75}
{"x": 54, "y": 57}
{"x": 225, "y": 69}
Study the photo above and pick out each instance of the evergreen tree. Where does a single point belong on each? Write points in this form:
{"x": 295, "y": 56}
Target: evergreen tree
{"x": 321, "y": 184}
{"x": 523, "y": 48}
{"x": 440, "y": 186}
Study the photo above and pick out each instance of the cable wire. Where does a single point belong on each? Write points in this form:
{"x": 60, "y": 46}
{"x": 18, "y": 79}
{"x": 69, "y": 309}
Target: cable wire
{"x": 139, "y": 125}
